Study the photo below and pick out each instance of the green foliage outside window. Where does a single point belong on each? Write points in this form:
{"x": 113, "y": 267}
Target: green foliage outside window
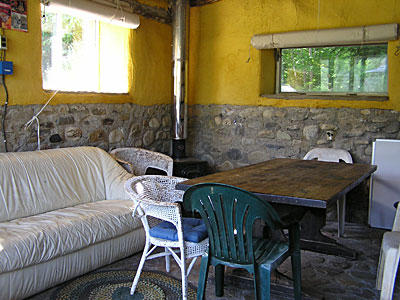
{"x": 71, "y": 39}
{"x": 345, "y": 69}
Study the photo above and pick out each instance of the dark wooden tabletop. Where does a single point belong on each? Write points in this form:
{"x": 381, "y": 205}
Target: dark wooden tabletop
{"x": 292, "y": 181}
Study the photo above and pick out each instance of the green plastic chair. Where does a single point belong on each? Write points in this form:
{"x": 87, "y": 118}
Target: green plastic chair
{"x": 229, "y": 214}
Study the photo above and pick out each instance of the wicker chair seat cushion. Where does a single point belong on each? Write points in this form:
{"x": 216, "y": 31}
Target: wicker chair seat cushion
{"x": 194, "y": 230}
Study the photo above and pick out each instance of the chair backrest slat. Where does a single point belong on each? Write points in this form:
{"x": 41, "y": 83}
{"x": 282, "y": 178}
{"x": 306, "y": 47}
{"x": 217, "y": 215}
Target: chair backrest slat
{"x": 242, "y": 211}
{"x": 221, "y": 218}
{"x": 230, "y": 208}
{"x": 207, "y": 212}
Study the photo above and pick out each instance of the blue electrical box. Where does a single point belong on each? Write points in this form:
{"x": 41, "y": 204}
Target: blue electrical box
{"x": 6, "y": 68}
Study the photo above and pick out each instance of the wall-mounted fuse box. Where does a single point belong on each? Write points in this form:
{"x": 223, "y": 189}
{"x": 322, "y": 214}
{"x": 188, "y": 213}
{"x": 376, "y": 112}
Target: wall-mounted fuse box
{"x": 6, "y": 67}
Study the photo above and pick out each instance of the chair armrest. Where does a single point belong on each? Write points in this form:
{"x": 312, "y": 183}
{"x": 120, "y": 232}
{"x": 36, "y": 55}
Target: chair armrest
{"x": 154, "y": 187}
{"x": 142, "y": 159}
{"x": 124, "y": 162}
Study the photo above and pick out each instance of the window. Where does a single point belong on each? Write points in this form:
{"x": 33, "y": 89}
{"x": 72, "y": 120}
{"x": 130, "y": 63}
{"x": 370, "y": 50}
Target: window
{"x": 84, "y": 55}
{"x": 347, "y": 70}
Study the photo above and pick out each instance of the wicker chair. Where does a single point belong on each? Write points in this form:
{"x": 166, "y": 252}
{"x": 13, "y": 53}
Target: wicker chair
{"x": 333, "y": 155}
{"x": 138, "y": 160}
{"x": 155, "y": 201}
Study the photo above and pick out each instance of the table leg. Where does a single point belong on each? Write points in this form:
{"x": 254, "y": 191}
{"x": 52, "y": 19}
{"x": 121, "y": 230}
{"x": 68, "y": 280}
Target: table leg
{"x": 341, "y": 214}
{"x": 312, "y": 239}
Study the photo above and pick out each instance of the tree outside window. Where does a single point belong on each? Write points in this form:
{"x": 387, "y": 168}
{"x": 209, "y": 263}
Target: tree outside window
{"x": 345, "y": 69}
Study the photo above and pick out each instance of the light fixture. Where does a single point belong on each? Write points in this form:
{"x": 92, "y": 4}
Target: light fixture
{"x": 88, "y": 9}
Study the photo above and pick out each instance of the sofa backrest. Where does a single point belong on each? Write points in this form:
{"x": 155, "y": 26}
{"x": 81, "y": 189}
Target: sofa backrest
{"x": 41, "y": 181}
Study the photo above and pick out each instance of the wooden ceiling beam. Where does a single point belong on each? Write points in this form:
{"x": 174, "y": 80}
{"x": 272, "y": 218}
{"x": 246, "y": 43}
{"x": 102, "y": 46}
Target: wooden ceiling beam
{"x": 202, "y": 2}
{"x": 151, "y": 12}
{"x": 157, "y": 13}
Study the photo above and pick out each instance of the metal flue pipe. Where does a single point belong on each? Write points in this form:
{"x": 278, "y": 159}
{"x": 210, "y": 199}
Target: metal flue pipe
{"x": 180, "y": 40}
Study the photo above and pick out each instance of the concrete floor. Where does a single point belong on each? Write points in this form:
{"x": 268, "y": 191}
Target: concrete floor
{"x": 323, "y": 276}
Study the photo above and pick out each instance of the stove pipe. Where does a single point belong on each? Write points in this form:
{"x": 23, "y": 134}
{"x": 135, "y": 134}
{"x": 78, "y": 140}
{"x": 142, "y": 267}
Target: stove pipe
{"x": 180, "y": 39}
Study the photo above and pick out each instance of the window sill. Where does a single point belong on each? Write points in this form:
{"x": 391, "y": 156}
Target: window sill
{"x": 87, "y": 93}
{"x": 297, "y": 96}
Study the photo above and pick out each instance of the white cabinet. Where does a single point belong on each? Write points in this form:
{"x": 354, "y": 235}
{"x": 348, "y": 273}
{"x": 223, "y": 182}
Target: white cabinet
{"x": 385, "y": 183}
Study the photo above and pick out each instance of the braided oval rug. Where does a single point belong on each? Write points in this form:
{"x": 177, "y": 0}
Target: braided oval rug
{"x": 116, "y": 285}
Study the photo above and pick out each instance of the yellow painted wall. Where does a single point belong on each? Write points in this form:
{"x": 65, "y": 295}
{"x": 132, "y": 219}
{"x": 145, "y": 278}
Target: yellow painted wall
{"x": 219, "y": 51}
{"x": 150, "y": 65}
{"x": 220, "y": 46}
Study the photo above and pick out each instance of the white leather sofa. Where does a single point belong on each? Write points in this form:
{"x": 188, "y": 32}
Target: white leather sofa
{"x": 63, "y": 212}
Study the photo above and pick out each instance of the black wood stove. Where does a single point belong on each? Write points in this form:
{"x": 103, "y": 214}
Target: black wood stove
{"x": 188, "y": 167}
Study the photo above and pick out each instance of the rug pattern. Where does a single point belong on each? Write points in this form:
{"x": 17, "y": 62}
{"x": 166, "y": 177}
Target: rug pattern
{"x": 116, "y": 285}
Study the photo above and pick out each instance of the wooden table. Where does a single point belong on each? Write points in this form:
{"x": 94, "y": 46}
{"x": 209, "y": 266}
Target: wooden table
{"x": 294, "y": 185}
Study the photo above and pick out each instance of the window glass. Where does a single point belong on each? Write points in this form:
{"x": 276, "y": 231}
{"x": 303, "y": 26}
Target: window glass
{"x": 84, "y": 55}
{"x": 345, "y": 69}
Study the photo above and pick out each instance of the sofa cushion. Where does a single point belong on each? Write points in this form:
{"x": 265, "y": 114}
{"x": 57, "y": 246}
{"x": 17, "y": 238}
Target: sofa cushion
{"x": 42, "y": 181}
{"x": 35, "y": 239}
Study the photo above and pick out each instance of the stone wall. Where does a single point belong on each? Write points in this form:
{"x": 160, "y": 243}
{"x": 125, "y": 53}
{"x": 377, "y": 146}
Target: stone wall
{"x": 233, "y": 136}
{"x": 107, "y": 126}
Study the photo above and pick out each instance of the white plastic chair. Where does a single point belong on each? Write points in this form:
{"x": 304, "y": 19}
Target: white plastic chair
{"x": 138, "y": 160}
{"x": 333, "y": 155}
{"x": 389, "y": 259}
{"x": 155, "y": 200}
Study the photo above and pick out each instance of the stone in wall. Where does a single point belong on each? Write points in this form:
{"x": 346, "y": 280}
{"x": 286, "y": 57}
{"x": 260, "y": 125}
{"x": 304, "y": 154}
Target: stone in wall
{"x": 234, "y": 154}
{"x": 148, "y": 138}
{"x": 99, "y": 111}
{"x": 68, "y": 120}
{"x": 225, "y": 166}
{"x": 154, "y": 123}
{"x": 78, "y": 109}
{"x": 73, "y": 133}
{"x": 281, "y": 135}
{"x": 166, "y": 122}
{"x": 257, "y": 156}
{"x": 115, "y": 136}
{"x": 311, "y": 132}
{"x": 124, "y": 116}
{"x": 55, "y": 138}
{"x": 97, "y": 136}
{"x": 108, "y": 121}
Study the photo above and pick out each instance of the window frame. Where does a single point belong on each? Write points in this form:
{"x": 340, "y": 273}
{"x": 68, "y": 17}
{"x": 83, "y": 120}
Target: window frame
{"x": 318, "y": 95}
{"x": 98, "y": 37}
